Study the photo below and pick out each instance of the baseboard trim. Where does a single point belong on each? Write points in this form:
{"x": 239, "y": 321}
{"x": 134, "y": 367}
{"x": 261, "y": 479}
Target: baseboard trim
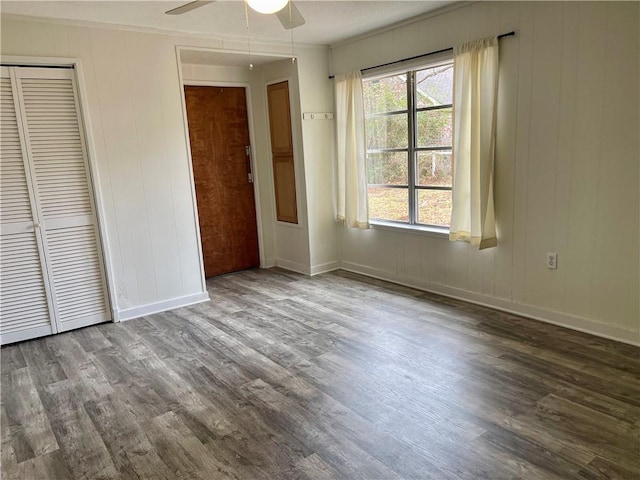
{"x": 84, "y": 322}
{"x": 325, "y": 267}
{"x": 306, "y": 270}
{"x": 28, "y": 334}
{"x": 293, "y": 266}
{"x": 270, "y": 263}
{"x": 150, "y": 308}
{"x": 572, "y": 322}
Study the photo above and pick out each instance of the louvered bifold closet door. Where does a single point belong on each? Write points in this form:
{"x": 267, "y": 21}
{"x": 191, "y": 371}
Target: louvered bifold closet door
{"x": 55, "y": 145}
{"x": 25, "y": 311}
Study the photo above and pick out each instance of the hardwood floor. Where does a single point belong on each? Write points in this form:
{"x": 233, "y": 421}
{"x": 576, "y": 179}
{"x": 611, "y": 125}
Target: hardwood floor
{"x": 338, "y": 376}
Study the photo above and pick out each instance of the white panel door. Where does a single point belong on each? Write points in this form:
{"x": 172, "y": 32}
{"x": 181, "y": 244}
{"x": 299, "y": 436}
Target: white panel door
{"x": 25, "y": 308}
{"x": 52, "y": 274}
{"x": 55, "y": 146}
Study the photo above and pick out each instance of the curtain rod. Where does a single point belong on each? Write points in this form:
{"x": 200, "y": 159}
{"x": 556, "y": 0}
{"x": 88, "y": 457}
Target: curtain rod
{"x": 5, "y": 64}
{"x": 508, "y": 34}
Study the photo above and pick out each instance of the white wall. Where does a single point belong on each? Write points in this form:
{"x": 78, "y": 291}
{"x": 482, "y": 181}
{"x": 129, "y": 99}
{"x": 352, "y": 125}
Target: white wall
{"x": 135, "y": 121}
{"x": 567, "y": 166}
{"x": 292, "y": 240}
{"x": 216, "y": 73}
{"x": 135, "y": 118}
{"x": 316, "y": 95}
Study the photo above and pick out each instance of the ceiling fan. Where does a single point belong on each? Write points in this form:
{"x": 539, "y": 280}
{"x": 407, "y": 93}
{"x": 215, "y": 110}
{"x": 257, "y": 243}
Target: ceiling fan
{"x": 286, "y": 11}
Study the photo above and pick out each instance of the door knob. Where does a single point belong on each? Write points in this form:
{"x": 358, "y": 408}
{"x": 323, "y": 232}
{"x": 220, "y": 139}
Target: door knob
{"x": 36, "y": 224}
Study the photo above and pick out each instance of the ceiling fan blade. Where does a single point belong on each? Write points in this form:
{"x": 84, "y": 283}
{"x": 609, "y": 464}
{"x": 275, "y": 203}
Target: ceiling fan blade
{"x": 187, "y": 7}
{"x": 290, "y": 21}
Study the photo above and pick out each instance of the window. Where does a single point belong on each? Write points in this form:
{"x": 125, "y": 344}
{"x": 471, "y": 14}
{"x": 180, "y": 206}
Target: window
{"x": 409, "y": 137}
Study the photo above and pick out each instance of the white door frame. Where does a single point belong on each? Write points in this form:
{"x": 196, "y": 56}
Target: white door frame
{"x": 254, "y": 167}
{"x": 257, "y": 185}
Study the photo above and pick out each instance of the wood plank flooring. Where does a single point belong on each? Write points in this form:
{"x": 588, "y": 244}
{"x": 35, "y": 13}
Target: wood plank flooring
{"x": 339, "y": 376}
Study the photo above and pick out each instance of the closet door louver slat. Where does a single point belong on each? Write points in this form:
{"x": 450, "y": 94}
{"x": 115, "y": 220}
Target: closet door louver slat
{"x": 25, "y": 311}
{"x": 54, "y": 136}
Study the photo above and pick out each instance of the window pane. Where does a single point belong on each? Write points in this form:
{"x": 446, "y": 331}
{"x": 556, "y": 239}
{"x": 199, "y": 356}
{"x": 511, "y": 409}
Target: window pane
{"x": 387, "y": 94}
{"x": 435, "y": 168}
{"x": 434, "y": 86}
{"x": 389, "y": 204}
{"x": 434, "y": 128}
{"x": 390, "y": 131}
{"x": 388, "y": 168}
{"x": 434, "y": 207}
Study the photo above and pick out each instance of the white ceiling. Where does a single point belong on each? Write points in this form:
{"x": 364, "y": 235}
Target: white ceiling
{"x": 328, "y": 21}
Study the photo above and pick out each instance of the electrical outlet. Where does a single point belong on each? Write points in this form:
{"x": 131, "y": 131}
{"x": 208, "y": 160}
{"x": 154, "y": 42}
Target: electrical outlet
{"x": 552, "y": 260}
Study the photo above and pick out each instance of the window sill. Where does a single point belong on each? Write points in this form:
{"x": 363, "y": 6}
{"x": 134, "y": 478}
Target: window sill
{"x": 438, "y": 232}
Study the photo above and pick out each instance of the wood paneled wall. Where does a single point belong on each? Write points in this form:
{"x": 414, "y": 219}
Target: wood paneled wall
{"x": 135, "y": 113}
{"x": 567, "y": 165}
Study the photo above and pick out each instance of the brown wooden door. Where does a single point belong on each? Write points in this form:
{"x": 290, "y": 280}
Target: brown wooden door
{"x": 284, "y": 175}
{"x": 219, "y": 136}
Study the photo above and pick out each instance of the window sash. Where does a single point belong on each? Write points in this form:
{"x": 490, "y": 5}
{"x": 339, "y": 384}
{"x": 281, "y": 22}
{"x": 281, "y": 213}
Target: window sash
{"x": 434, "y": 107}
{"x": 412, "y": 150}
{"x": 384, "y": 114}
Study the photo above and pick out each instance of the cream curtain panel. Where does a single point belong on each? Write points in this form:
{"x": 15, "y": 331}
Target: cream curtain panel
{"x": 475, "y": 89}
{"x": 352, "y": 176}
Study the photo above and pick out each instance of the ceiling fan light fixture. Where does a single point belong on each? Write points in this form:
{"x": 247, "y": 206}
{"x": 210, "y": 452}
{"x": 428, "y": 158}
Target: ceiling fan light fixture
{"x": 267, "y": 6}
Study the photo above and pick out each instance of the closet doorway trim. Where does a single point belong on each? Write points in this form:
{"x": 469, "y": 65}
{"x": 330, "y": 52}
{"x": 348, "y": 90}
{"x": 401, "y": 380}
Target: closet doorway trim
{"x": 76, "y": 65}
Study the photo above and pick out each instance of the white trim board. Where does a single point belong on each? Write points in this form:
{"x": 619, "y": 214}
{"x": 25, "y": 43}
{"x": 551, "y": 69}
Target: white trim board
{"x": 150, "y": 308}
{"x": 309, "y": 271}
{"x": 276, "y": 55}
{"x": 293, "y": 266}
{"x": 324, "y": 268}
{"x": 187, "y": 141}
{"x": 572, "y": 322}
{"x": 19, "y": 336}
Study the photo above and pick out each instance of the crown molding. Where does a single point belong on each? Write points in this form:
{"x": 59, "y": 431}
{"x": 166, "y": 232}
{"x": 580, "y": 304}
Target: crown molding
{"x": 159, "y": 31}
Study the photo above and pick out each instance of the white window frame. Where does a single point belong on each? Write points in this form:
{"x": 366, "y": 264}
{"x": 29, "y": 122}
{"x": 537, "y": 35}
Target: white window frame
{"x": 412, "y": 188}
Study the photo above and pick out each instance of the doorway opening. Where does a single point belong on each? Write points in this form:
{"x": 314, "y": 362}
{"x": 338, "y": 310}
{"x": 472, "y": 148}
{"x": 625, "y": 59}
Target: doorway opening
{"x": 218, "y": 125}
